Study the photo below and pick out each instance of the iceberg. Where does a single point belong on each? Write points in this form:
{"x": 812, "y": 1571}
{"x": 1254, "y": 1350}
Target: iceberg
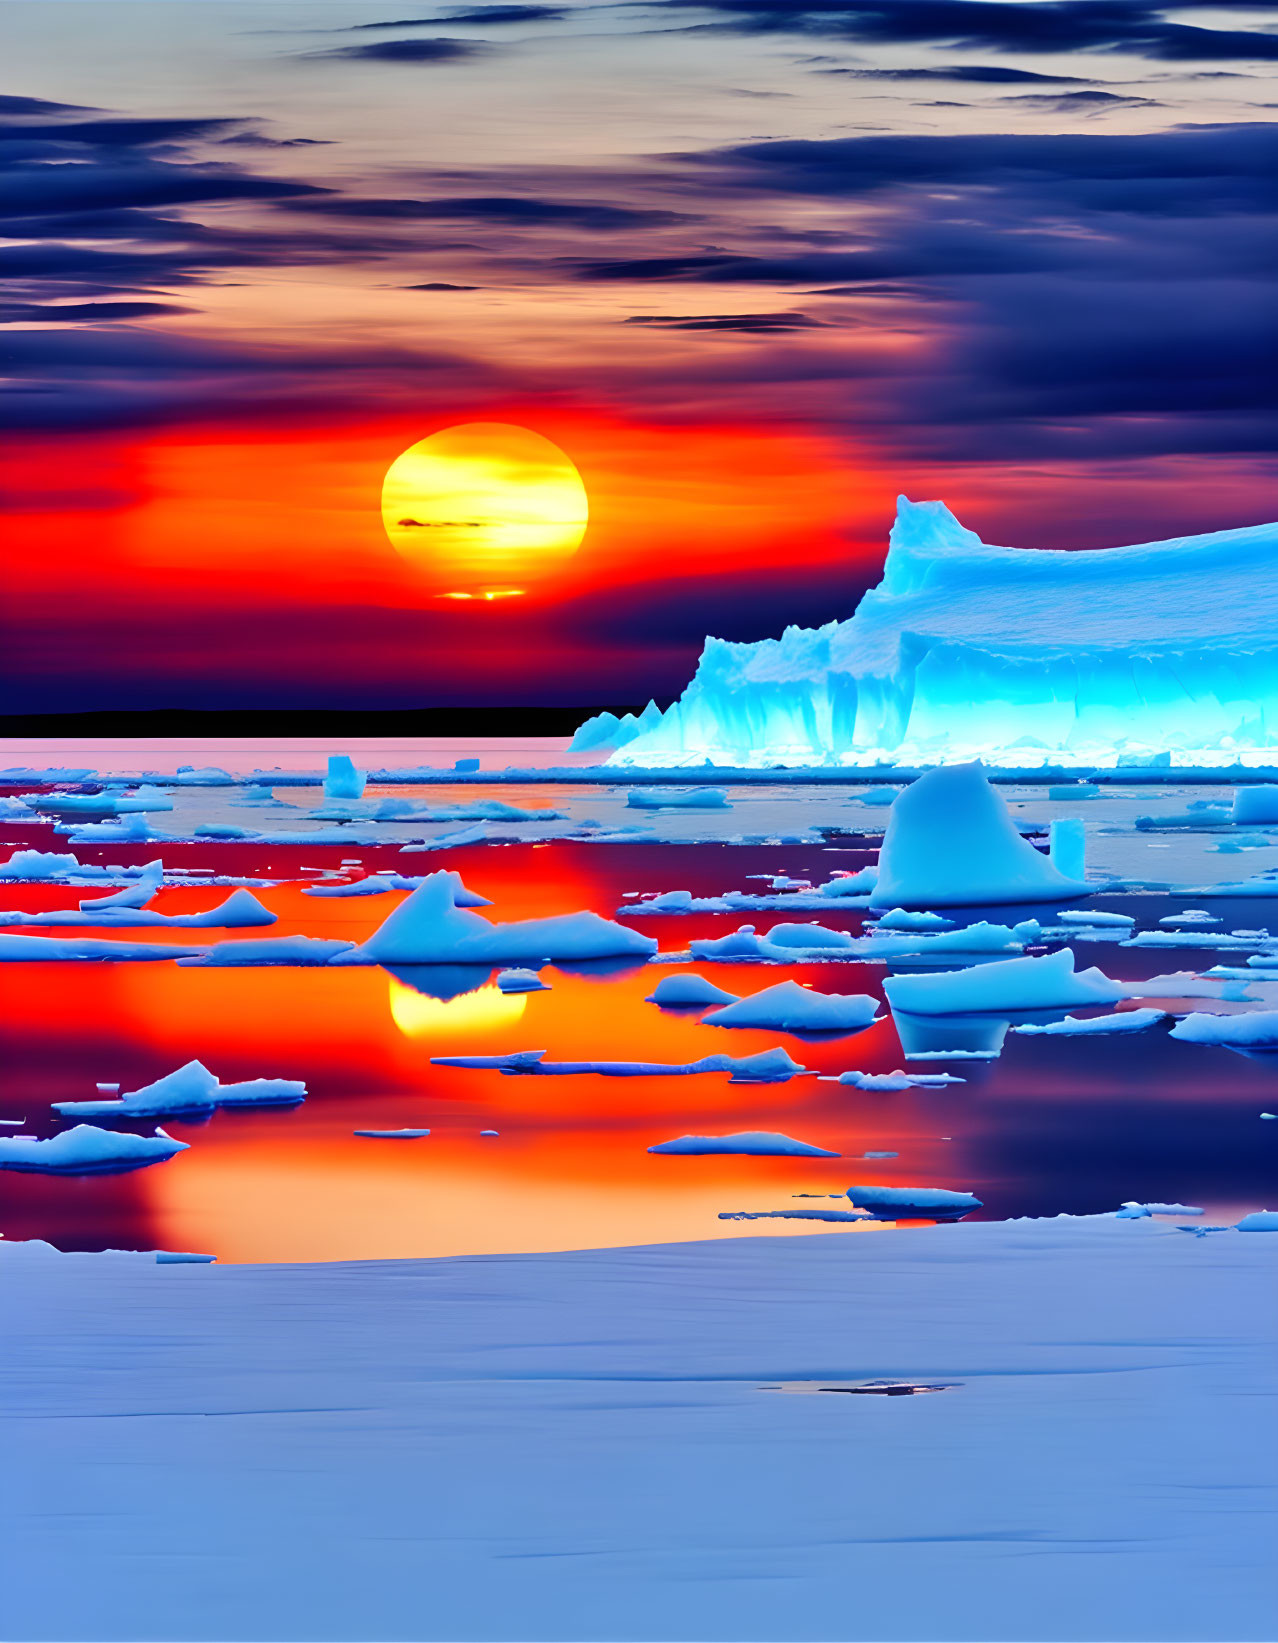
{"x": 191, "y": 1089}
{"x": 791, "y": 1008}
{"x": 1016, "y": 654}
{"x": 86, "y": 1150}
{"x": 763, "y": 1067}
{"x": 687, "y": 991}
{"x": 1008, "y": 984}
{"x": 913, "y": 1203}
{"x": 1254, "y": 805}
{"x": 1122, "y": 1021}
{"x": 134, "y": 895}
{"x": 1257, "y": 1029}
{"x": 951, "y": 841}
{"x": 428, "y": 928}
{"x": 292, "y": 950}
{"x": 677, "y": 798}
{"x": 343, "y": 781}
{"x": 743, "y": 1144}
{"x": 607, "y": 730}
{"x": 521, "y": 981}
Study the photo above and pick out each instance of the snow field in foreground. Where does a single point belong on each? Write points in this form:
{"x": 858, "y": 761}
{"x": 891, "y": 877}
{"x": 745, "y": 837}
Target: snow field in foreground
{"x": 576, "y": 1446}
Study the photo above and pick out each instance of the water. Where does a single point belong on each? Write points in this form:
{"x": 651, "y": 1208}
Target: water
{"x": 1052, "y": 1125}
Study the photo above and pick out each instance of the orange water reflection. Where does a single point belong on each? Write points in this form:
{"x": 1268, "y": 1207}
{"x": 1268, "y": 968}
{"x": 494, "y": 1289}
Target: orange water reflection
{"x": 569, "y": 1167}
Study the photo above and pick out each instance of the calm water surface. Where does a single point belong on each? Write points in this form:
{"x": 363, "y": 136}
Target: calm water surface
{"x": 1052, "y": 1125}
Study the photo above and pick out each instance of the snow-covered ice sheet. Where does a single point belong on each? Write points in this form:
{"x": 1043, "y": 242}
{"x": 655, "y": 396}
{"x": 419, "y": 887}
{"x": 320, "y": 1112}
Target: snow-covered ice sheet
{"x": 577, "y": 1446}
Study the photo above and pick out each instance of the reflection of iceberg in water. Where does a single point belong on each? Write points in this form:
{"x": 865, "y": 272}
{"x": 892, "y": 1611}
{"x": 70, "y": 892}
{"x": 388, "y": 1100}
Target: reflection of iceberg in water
{"x": 435, "y": 1003}
{"x": 965, "y": 1037}
{"x": 967, "y": 650}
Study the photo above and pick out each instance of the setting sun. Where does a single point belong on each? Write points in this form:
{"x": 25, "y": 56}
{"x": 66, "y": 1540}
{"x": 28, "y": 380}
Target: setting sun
{"x": 486, "y": 505}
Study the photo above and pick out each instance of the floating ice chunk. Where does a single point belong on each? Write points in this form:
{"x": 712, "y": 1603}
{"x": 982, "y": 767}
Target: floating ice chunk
{"x": 1187, "y": 938}
{"x": 1260, "y": 1220}
{"x": 850, "y": 884}
{"x": 1067, "y": 847}
{"x": 951, "y": 841}
{"x": 98, "y": 804}
{"x": 1186, "y": 984}
{"x": 450, "y": 841}
{"x": 1253, "y": 805}
{"x": 1074, "y": 790}
{"x": 913, "y": 1203}
{"x": 1242, "y": 887}
{"x": 1182, "y": 820}
{"x": 521, "y": 981}
{"x": 1133, "y": 1210}
{"x": 1191, "y": 915}
{"x": 391, "y": 1135}
{"x": 292, "y": 950}
{"x": 41, "y": 865}
{"x": 896, "y": 1081}
{"x": 1010, "y": 984}
{"x": 876, "y": 796}
{"x": 428, "y": 928}
{"x": 688, "y": 989}
{"x": 1122, "y": 1021}
{"x": 972, "y": 938}
{"x": 343, "y": 780}
{"x": 192, "y": 1088}
{"x": 1269, "y": 1115}
{"x": 262, "y": 1092}
{"x": 57, "y": 949}
{"x": 866, "y": 1155}
{"x": 606, "y": 730}
{"x": 677, "y": 798}
{"x": 808, "y": 937}
{"x": 136, "y": 894}
{"x": 376, "y": 886}
{"x": 1095, "y": 920}
{"x": 741, "y": 943}
{"x": 182, "y": 1257}
{"x": 788, "y": 1007}
{"x": 902, "y": 919}
{"x": 764, "y": 1067}
{"x": 1255, "y": 1029}
{"x": 793, "y": 1215}
{"x": 86, "y": 1150}
{"x": 744, "y": 1143}
{"x": 492, "y": 1133}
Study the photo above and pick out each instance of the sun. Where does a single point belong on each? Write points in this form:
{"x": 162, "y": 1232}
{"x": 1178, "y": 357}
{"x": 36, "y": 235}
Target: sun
{"x": 485, "y": 508}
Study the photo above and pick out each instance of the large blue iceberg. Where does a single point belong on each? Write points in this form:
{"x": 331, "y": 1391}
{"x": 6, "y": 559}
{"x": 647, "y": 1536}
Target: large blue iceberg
{"x": 1009, "y": 654}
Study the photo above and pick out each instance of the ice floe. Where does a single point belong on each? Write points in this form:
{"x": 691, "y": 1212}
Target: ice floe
{"x": 951, "y": 841}
{"x": 789, "y": 1007}
{"x": 764, "y": 1067}
{"x": 1011, "y": 984}
{"x": 688, "y": 991}
{"x": 1122, "y": 1021}
{"x": 913, "y": 1203}
{"x": 744, "y": 1143}
{"x": 86, "y": 1150}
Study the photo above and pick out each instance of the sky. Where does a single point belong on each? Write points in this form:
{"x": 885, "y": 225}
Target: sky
{"x": 754, "y": 266}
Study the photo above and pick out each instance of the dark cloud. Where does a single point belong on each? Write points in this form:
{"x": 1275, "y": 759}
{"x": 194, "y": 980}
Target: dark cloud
{"x": 745, "y": 324}
{"x": 15, "y": 106}
{"x": 82, "y": 313}
{"x": 509, "y": 211}
{"x": 496, "y": 16}
{"x": 1077, "y": 102}
{"x": 1138, "y": 27}
{"x": 978, "y": 74}
{"x": 438, "y": 50}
